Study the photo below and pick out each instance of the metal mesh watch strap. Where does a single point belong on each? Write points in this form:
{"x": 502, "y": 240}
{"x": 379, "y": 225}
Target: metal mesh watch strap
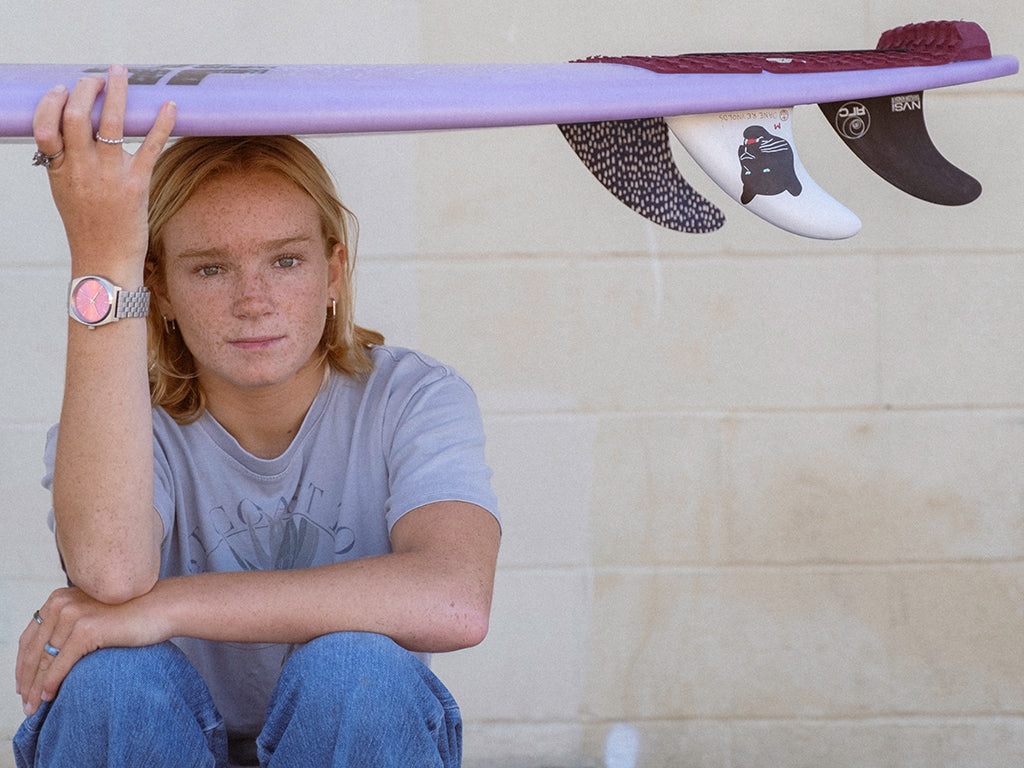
{"x": 132, "y": 303}
{"x": 95, "y": 301}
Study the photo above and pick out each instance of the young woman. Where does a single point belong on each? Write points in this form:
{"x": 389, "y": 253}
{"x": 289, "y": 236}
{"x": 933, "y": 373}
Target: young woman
{"x": 265, "y": 514}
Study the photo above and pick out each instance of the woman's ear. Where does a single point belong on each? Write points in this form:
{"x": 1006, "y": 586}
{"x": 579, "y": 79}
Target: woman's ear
{"x": 163, "y": 306}
{"x": 337, "y": 272}
{"x": 158, "y": 290}
{"x": 159, "y": 298}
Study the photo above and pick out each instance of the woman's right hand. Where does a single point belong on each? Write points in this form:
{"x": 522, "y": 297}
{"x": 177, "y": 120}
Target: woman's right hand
{"x": 68, "y": 626}
{"x": 101, "y": 191}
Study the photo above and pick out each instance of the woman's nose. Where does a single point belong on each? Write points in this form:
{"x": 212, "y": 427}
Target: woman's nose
{"x": 252, "y": 294}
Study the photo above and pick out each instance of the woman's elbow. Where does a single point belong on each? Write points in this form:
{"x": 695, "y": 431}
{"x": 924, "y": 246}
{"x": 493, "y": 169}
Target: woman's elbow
{"x": 112, "y": 574}
{"x": 114, "y": 585}
{"x": 476, "y": 630}
{"x": 468, "y": 624}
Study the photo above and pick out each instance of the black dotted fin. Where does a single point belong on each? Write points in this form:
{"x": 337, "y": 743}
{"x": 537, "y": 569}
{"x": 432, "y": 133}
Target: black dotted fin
{"x": 633, "y": 160}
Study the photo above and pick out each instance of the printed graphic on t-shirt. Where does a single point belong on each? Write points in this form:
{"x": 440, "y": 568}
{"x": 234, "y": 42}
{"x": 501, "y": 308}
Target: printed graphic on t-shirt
{"x": 262, "y": 536}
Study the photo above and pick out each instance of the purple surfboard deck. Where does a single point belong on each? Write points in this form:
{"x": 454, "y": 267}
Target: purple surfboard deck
{"x": 613, "y": 111}
{"x": 330, "y": 99}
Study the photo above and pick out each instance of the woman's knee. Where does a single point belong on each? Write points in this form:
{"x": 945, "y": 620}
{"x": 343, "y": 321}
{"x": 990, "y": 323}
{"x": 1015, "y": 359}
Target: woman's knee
{"x": 361, "y": 694}
{"x": 350, "y": 655}
{"x": 118, "y": 669}
{"x": 146, "y": 679}
{"x": 127, "y": 706}
{"x": 352, "y": 665}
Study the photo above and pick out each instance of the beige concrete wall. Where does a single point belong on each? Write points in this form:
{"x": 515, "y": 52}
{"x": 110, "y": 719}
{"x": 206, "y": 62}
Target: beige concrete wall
{"x": 763, "y": 496}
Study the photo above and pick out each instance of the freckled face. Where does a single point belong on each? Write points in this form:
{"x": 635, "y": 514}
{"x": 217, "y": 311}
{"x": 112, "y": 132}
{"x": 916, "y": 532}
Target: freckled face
{"x": 248, "y": 281}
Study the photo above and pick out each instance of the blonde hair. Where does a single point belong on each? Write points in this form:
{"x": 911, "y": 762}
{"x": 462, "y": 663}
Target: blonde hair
{"x": 178, "y": 173}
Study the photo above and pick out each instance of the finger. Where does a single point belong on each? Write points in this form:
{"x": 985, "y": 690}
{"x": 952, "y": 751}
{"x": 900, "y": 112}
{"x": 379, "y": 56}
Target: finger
{"x": 48, "y": 662}
{"x": 32, "y": 645}
{"x": 26, "y": 660}
{"x": 156, "y": 139}
{"x": 28, "y": 644}
{"x": 53, "y": 668}
{"x": 32, "y": 658}
{"x": 46, "y": 668}
{"x": 77, "y": 124}
{"x": 46, "y": 123}
{"x": 115, "y": 99}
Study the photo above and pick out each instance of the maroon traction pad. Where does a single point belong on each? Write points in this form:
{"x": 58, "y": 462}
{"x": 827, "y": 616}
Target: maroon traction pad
{"x": 915, "y": 45}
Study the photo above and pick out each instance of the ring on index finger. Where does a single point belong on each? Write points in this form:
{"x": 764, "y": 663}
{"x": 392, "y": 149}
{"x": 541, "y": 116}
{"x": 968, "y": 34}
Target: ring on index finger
{"x": 37, "y": 618}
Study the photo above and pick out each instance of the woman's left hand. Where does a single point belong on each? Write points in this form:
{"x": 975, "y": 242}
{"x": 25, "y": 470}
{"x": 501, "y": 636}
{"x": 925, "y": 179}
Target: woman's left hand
{"x": 101, "y": 190}
{"x": 70, "y": 625}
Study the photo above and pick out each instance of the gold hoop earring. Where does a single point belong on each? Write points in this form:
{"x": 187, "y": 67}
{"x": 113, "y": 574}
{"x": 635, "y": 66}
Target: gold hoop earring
{"x": 170, "y": 326}
{"x": 334, "y": 309}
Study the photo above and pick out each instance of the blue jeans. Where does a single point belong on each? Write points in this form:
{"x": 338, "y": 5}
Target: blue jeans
{"x": 348, "y": 699}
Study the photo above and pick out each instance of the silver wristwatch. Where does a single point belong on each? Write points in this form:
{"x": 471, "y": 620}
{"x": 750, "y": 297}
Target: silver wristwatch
{"x": 95, "y": 301}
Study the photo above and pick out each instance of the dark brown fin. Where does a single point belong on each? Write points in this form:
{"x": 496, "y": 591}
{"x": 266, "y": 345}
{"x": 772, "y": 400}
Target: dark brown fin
{"x": 888, "y": 134}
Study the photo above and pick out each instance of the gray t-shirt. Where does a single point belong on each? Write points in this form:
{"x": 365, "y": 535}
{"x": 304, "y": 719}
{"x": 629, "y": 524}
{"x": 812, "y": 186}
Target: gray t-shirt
{"x": 367, "y": 453}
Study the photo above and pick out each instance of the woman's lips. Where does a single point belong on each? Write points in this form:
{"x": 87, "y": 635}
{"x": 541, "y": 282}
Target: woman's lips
{"x": 256, "y": 342}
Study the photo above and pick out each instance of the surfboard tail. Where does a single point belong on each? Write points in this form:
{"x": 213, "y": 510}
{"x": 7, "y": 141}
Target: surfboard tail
{"x": 751, "y": 154}
{"x": 888, "y": 132}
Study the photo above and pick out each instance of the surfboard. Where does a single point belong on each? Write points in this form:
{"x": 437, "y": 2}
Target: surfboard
{"x": 732, "y": 112}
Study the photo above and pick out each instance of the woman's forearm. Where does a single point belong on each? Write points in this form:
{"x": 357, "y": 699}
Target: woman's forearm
{"x": 432, "y": 596}
{"x": 381, "y": 595}
{"x": 107, "y": 530}
{"x": 108, "y": 533}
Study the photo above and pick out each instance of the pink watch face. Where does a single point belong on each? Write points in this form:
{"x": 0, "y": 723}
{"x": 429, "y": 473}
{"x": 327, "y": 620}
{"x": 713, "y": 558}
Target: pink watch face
{"x": 92, "y": 302}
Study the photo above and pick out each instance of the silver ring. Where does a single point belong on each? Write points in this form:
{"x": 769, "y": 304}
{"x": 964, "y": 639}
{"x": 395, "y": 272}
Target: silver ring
{"x": 51, "y": 650}
{"x": 43, "y": 159}
{"x": 108, "y": 141}
{"x": 37, "y": 618}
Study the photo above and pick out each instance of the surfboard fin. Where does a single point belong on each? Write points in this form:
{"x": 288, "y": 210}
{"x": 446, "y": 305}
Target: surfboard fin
{"x": 888, "y": 134}
{"x": 751, "y": 155}
{"x": 633, "y": 160}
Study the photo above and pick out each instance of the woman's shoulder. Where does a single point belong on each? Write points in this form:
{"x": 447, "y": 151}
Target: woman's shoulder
{"x": 391, "y": 356}
{"x": 401, "y": 364}
{"x": 401, "y": 374}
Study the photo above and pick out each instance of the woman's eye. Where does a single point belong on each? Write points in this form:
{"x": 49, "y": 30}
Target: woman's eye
{"x": 287, "y": 261}
{"x": 209, "y": 271}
